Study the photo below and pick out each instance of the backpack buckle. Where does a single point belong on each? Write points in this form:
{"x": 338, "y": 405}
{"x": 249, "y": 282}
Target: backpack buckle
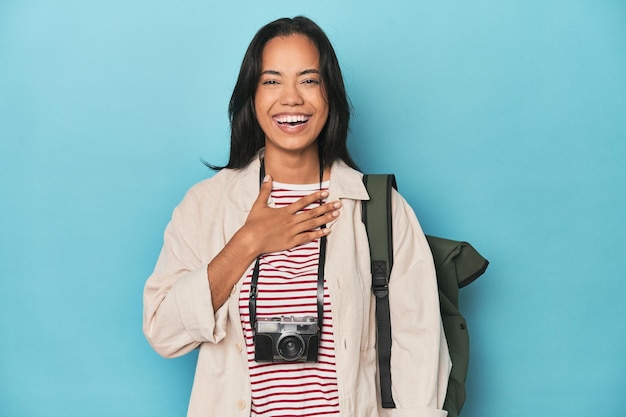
{"x": 380, "y": 279}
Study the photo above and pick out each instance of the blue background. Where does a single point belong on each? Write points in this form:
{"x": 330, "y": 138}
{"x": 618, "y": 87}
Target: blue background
{"x": 505, "y": 123}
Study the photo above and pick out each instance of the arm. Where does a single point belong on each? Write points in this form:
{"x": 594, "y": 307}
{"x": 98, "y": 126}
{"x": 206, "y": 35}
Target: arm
{"x": 420, "y": 363}
{"x": 185, "y": 300}
{"x": 178, "y": 314}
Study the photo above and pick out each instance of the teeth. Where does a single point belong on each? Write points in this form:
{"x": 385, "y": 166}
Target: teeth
{"x": 292, "y": 118}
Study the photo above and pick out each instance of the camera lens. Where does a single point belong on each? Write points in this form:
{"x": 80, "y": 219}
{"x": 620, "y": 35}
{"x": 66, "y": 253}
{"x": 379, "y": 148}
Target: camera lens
{"x": 290, "y": 346}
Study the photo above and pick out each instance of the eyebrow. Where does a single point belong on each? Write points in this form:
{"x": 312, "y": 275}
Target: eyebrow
{"x": 303, "y": 72}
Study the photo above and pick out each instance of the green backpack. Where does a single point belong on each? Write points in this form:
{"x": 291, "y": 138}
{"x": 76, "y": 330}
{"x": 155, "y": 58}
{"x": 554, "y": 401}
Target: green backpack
{"x": 457, "y": 264}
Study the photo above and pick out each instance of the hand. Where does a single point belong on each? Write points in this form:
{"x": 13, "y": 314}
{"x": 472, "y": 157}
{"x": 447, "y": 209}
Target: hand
{"x": 276, "y": 229}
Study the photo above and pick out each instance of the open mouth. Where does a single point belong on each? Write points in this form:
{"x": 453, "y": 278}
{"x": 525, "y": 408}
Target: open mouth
{"x": 292, "y": 119}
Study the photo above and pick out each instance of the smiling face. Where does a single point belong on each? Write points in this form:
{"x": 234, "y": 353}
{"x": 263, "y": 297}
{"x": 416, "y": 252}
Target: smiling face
{"x": 290, "y": 102}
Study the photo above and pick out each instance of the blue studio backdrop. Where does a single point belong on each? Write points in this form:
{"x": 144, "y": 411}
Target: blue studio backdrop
{"x": 505, "y": 123}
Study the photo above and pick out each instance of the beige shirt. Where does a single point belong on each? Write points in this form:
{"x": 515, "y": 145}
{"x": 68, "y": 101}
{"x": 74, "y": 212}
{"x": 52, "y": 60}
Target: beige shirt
{"x": 179, "y": 317}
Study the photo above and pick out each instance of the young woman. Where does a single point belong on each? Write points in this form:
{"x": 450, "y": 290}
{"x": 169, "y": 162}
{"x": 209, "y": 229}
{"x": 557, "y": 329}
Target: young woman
{"x": 265, "y": 266}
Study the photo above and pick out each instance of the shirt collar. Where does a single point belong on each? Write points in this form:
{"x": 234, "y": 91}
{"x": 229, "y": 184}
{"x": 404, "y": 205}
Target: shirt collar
{"x": 345, "y": 182}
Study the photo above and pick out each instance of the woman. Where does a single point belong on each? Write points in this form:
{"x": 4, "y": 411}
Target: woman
{"x": 265, "y": 266}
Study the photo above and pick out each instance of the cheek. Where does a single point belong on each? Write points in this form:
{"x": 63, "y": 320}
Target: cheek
{"x": 261, "y": 109}
{"x": 262, "y": 100}
{"x": 258, "y": 103}
{"x": 322, "y": 103}
{"x": 323, "y": 109}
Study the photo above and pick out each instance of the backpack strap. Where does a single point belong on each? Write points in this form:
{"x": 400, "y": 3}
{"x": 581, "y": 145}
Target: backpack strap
{"x": 380, "y": 236}
{"x": 457, "y": 264}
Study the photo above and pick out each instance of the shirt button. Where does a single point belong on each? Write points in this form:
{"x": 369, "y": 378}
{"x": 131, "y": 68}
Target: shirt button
{"x": 239, "y": 347}
{"x": 241, "y": 404}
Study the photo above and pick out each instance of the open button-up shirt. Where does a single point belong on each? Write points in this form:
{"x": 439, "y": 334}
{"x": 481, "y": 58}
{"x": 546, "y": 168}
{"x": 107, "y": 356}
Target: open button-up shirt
{"x": 179, "y": 316}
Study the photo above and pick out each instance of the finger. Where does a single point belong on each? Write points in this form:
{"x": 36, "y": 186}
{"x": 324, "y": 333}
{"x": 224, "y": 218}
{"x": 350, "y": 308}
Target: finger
{"x": 264, "y": 192}
{"x": 319, "y": 211}
{"x": 326, "y": 208}
{"x": 305, "y": 201}
{"x": 312, "y": 224}
{"x": 310, "y": 235}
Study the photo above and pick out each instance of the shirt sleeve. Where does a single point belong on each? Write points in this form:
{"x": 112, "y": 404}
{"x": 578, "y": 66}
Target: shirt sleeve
{"x": 178, "y": 313}
{"x": 420, "y": 362}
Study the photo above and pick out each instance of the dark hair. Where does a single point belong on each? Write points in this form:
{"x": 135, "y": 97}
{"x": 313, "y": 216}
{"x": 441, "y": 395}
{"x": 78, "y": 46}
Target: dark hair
{"x": 246, "y": 135}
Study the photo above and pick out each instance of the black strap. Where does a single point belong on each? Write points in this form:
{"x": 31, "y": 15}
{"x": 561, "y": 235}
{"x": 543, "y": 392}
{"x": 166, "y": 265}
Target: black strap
{"x": 254, "y": 291}
{"x": 380, "y": 236}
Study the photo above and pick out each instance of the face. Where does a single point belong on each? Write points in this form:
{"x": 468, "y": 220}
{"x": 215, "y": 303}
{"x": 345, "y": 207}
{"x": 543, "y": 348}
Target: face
{"x": 290, "y": 101}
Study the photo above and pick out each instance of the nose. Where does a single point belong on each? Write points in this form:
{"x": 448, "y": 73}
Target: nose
{"x": 291, "y": 95}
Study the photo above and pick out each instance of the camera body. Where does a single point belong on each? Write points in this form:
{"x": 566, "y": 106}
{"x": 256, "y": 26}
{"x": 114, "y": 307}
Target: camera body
{"x": 286, "y": 339}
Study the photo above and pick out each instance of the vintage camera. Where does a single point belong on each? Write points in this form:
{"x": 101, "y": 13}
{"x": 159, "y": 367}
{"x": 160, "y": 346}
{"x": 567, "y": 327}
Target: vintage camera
{"x": 286, "y": 339}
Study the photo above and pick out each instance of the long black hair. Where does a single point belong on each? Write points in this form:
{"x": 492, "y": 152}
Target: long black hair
{"x": 246, "y": 135}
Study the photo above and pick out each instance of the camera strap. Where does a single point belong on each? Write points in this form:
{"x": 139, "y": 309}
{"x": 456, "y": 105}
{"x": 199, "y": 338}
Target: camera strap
{"x": 254, "y": 292}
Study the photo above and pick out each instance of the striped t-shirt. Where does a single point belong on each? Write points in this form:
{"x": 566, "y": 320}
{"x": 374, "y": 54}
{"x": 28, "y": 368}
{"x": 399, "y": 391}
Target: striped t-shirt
{"x": 287, "y": 286}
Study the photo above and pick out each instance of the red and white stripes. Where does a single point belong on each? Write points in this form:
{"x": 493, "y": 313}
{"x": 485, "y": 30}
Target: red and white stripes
{"x": 288, "y": 287}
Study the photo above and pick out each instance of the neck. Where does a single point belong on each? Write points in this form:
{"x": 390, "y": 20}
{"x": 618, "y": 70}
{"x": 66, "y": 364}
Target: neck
{"x": 295, "y": 169}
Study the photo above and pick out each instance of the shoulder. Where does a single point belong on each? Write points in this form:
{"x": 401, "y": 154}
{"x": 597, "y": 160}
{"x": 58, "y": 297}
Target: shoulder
{"x": 222, "y": 179}
{"x": 230, "y": 186}
{"x": 340, "y": 169}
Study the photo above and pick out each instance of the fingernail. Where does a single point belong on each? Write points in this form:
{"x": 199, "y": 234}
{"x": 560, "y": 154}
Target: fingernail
{"x": 337, "y": 204}
{"x": 324, "y": 193}
{"x": 336, "y": 213}
{"x": 267, "y": 178}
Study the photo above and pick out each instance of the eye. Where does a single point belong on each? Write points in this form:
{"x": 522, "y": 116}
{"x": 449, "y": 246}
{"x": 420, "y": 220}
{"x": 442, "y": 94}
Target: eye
{"x": 311, "y": 81}
{"x": 269, "y": 82}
